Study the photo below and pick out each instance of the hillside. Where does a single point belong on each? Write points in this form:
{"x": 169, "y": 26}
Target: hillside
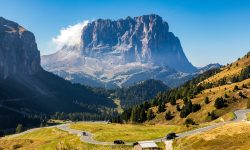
{"x": 28, "y": 94}
{"x": 51, "y": 139}
{"x": 231, "y": 136}
{"x": 139, "y": 92}
{"x": 224, "y": 89}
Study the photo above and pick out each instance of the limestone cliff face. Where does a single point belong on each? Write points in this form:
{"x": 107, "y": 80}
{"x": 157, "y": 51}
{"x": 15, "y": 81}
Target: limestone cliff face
{"x": 144, "y": 39}
{"x": 18, "y": 50}
{"x": 122, "y": 52}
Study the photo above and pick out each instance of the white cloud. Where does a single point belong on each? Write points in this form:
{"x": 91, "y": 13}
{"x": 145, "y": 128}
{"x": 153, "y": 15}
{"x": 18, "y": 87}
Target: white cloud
{"x": 70, "y": 35}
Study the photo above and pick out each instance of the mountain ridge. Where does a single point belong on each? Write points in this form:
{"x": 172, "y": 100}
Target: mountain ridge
{"x": 118, "y": 53}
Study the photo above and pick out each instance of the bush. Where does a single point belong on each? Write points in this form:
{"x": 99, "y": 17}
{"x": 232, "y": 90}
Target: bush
{"x": 212, "y": 115}
{"x": 16, "y": 146}
{"x": 219, "y": 103}
{"x": 189, "y": 121}
{"x": 168, "y": 116}
{"x": 242, "y": 95}
{"x": 236, "y": 88}
{"x": 196, "y": 107}
{"x": 206, "y": 100}
{"x": 244, "y": 86}
{"x": 226, "y": 96}
{"x": 178, "y": 108}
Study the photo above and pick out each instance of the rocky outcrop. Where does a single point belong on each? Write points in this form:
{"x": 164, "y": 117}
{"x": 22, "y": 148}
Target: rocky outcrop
{"x": 121, "y": 53}
{"x": 140, "y": 39}
{"x": 18, "y": 50}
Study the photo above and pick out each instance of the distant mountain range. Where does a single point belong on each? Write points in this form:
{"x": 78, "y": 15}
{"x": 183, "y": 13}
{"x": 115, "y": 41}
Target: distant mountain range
{"x": 26, "y": 90}
{"x": 123, "y": 52}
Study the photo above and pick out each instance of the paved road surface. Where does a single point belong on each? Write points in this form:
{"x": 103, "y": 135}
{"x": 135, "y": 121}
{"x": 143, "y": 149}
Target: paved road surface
{"x": 240, "y": 116}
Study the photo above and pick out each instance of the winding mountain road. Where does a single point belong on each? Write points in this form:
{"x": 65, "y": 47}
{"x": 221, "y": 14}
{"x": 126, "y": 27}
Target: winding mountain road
{"x": 88, "y": 138}
{"x": 240, "y": 116}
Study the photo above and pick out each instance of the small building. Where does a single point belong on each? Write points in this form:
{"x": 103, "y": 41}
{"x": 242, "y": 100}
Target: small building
{"x": 146, "y": 145}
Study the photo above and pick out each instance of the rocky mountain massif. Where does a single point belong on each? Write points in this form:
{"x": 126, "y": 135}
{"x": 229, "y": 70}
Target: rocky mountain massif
{"x": 27, "y": 91}
{"x": 122, "y": 52}
{"x": 19, "y": 54}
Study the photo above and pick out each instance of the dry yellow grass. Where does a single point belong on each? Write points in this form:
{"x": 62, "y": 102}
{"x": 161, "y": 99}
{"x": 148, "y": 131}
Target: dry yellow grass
{"x": 52, "y": 139}
{"x": 231, "y": 136}
{"x": 201, "y": 115}
{"x": 230, "y": 70}
{"x": 248, "y": 116}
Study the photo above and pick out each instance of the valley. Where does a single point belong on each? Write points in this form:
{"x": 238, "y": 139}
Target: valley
{"x": 118, "y": 84}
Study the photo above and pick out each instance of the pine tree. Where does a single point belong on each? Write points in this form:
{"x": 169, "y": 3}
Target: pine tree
{"x": 206, "y": 100}
{"x": 150, "y": 114}
{"x": 134, "y": 117}
{"x": 161, "y": 107}
{"x": 186, "y": 109}
{"x": 173, "y": 101}
{"x": 143, "y": 116}
{"x": 196, "y": 107}
{"x": 219, "y": 103}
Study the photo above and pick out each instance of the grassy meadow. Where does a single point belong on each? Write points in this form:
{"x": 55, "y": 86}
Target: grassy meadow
{"x": 51, "y": 139}
{"x": 127, "y": 132}
{"x": 231, "y": 137}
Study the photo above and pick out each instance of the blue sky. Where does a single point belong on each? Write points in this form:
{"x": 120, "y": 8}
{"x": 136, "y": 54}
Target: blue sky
{"x": 210, "y": 30}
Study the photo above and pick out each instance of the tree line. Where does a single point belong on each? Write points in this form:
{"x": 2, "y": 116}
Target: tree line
{"x": 143, "y": 112}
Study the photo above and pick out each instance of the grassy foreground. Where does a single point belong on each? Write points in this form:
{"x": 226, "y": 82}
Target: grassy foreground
{"x": 231, "y": 136}
{"x": 51, "y": 139}
{"x": 127, "y": 132}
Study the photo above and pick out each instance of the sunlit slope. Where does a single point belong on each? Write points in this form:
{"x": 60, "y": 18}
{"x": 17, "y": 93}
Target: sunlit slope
{"x": 236, "y": 94}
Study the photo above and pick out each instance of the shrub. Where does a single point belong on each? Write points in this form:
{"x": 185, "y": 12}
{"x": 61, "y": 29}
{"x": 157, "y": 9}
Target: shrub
{"x": 212, "y": 115}
{"x": 196, "y": 107}
{"x": 219, "y": 103}
{"x": 242, "y": 95}
{"x": 206, "y": 100}
{"x": 244, "y": 86}
{"x": 236, "y": 88}
{"x": 16, "y": 146}
{"x": 226, "y": 96}
{"x": 178, "y": 108}
{"x": 189, "y": 121}
{"x": 168, "y": 116}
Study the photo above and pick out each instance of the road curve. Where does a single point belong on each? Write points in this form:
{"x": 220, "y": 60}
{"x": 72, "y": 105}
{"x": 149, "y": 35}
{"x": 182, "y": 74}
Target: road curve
{"x": 240, "y": 116}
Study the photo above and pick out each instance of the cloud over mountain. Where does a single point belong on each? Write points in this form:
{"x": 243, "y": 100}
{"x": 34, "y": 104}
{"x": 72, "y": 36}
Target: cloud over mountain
{"x": 118, "y": 53}
{"x": 70, "y": 35}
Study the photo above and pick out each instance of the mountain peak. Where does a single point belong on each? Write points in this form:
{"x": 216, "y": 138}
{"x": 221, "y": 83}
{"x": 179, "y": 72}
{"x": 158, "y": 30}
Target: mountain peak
{"x": 18, "y": 50}
{"x": 131, "y": 45}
